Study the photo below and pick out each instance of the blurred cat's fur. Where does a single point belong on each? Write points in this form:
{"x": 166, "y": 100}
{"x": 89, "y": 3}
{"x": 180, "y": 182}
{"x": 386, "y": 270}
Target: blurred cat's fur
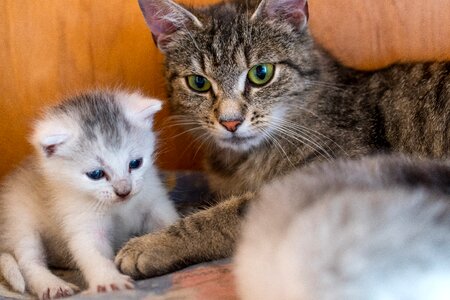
{"x": 373, "y": 229}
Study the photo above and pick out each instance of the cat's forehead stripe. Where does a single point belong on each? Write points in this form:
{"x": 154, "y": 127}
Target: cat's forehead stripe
{"x": 97, "y": 115}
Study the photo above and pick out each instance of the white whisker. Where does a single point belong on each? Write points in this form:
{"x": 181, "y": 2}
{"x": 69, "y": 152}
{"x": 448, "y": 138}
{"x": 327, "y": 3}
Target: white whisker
{"x": 305, "y": 141}
{"x": 270, "y": 137}
{"x": 313, "y": 132}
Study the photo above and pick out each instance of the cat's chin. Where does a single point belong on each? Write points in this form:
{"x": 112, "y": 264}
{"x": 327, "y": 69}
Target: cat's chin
{"x": 239, "y": 144}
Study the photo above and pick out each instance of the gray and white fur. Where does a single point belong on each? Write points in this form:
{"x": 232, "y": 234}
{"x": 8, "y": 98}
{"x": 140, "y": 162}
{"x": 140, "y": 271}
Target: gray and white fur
{"x": 373, "y": 229}
{"x": 90, "y": 186}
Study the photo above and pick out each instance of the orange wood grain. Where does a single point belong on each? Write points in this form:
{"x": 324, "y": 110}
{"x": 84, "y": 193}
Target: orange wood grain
{"x": 370, "y": 34}
{"x": 52, "y": 48}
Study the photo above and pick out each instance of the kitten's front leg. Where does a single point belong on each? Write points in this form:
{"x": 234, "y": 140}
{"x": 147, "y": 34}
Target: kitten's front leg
{"x": 39, "y": 280}
{"x": 207, "y": 235}
{"x": 93, "y": 253}
{"x": 160, "y": 212}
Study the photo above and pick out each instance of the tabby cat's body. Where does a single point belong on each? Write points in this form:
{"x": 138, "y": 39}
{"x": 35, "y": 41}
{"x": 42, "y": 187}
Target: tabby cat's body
{"x": 309, "y": 109}
{"x": 405, "y": 108}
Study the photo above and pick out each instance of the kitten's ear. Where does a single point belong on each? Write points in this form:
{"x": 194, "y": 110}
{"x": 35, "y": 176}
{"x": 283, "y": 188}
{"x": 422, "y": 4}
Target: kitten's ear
{"x": 164, "y": 18}
{"x": 49, "y": 136}
{"x": 293, "y": 11}
{"x": 140, "y": 110}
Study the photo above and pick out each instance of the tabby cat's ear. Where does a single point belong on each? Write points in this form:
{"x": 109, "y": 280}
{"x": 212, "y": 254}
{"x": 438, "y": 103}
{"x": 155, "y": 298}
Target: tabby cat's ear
{"x": 293, "y": 11}
{"x": 164, "y": 18}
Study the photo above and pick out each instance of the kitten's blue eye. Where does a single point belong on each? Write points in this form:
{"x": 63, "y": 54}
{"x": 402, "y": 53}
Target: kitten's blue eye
{"x": 261, "y": 74}
{"x": 135, "y": 164}
{"x": 198, "y": 83}
{"x": 96, "y": 174}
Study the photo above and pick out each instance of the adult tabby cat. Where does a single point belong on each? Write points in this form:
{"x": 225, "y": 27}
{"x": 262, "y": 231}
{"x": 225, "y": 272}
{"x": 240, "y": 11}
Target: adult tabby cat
{"x": 249, "y": 80}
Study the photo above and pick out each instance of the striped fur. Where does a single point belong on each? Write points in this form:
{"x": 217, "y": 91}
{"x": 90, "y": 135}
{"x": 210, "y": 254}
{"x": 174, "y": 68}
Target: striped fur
{"x": 313, "y": 110}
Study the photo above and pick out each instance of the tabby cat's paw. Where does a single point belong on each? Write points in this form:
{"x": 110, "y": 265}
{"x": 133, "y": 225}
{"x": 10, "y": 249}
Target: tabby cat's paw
{"x": 145, "y": 257}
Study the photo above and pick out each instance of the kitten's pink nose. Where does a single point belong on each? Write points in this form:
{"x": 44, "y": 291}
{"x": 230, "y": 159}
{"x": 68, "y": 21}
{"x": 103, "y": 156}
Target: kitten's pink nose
{"x": 122, "y": 194}
{"x": 231, "y": 125}
{"x": 122, "y": 188}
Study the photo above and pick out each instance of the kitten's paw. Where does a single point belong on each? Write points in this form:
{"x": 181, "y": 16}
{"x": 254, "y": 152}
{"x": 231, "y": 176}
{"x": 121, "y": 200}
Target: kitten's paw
{"x": 115, "y": 282}
{"x": 56, "y": 290}
{"x": 147, "y": 256}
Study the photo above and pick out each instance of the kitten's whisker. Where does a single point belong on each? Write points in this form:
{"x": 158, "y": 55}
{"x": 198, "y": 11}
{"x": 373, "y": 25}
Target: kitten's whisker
{"x": 94, "y": 206}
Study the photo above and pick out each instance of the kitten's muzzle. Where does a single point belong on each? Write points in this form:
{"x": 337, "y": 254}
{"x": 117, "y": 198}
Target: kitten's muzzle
{"x": 122, "y": 188}
{"x": 122, "y": 194}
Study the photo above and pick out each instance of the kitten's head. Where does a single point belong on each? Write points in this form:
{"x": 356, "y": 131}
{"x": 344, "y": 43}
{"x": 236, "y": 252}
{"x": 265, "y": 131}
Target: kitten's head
{"x": 98, "y": 144}
{"x": 234, "y": 70}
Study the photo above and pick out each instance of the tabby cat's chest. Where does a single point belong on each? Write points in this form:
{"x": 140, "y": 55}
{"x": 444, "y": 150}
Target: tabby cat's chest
{"x": 240, "y": 173}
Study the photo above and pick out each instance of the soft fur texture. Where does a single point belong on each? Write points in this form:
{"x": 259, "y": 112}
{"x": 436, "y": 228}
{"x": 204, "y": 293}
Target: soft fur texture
{"x": 313, "y": 109}
{"x": 53, "y": 214}
{"x": 373, "y": 229}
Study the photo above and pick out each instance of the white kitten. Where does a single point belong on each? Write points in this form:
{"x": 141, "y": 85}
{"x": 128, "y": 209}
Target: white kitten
{"x": 90, "y": 187}
{"x": 375, "y": 229}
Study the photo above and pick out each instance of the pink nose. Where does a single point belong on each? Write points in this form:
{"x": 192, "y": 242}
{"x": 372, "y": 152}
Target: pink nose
{"x": 231, "y": 125}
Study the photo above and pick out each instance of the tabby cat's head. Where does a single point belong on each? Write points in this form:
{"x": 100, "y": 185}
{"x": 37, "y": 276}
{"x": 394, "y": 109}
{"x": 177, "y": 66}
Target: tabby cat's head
{"x": 235, "y": 70}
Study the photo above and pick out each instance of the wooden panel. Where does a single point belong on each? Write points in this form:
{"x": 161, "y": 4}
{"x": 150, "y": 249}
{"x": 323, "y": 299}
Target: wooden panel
{"x": 370, "y": 34}
{"x": 52, "y": 48}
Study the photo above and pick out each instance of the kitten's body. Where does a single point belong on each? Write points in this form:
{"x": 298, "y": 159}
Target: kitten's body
{"x": 312, "y": 109}
{"x": 53, "y": 214}
{"x": 373, "y": 229}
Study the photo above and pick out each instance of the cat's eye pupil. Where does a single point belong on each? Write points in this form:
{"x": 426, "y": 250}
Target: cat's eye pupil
{"x": 135, "y": 164}
{"x": 96, "y": 174}
{"x": 200, "y": 81}
{"x": 261, "y": 71}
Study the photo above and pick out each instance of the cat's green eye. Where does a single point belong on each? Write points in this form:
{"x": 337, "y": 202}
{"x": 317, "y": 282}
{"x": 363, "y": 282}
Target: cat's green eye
{"x": 198, "y": 83}
{"x": 261, "y": 74}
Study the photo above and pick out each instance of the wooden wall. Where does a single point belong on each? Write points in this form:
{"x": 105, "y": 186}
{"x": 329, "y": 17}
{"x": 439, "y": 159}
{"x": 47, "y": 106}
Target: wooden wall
{"x": 52, "y": 48}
